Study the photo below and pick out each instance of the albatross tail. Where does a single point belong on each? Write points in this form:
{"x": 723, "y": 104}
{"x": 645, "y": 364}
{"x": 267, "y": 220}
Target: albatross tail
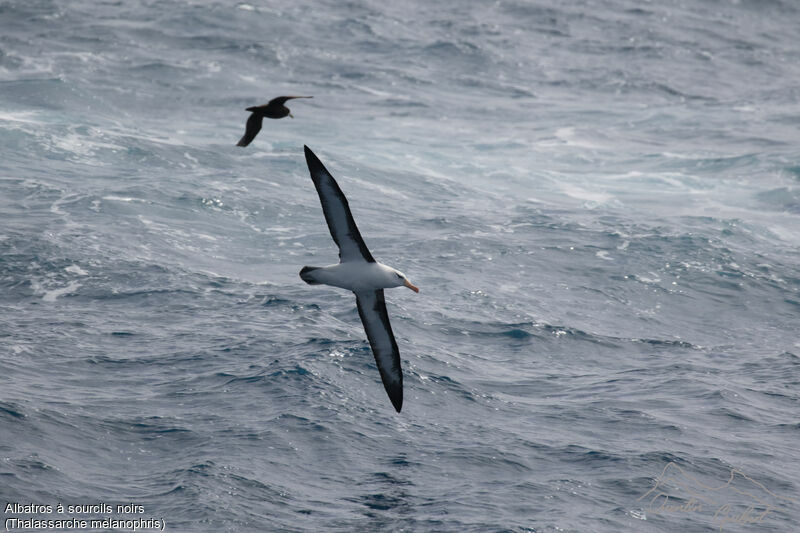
{"x": 307, "y": 274}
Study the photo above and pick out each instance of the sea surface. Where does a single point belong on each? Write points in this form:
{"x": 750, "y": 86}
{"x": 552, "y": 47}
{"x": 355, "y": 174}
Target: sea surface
{"x": 599, "y": 199}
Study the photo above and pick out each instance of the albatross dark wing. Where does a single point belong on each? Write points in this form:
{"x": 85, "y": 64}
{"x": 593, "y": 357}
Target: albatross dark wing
{"x": 252, "y": 129}
{"x": 337, "y": 214}
{"x": 372, "y": 309}
{"x": 280, "y": 100}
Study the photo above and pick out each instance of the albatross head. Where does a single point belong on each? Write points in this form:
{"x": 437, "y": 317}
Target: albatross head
{"x": 402, "y": 280}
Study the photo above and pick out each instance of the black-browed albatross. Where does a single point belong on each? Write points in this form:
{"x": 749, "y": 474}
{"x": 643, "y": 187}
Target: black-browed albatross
{"x": 275, "y": 108}
{"x": 359, "y": 272}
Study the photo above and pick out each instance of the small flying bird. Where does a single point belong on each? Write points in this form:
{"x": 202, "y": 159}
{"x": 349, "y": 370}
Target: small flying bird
{"x": 274, "y": 109}
{"x": 357, "y": 271}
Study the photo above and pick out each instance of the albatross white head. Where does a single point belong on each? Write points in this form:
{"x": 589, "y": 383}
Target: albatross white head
{"x": 401, "y": 279}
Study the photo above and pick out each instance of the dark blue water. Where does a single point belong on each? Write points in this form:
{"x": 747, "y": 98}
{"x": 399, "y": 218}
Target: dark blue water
{"x": 600, "y": 202}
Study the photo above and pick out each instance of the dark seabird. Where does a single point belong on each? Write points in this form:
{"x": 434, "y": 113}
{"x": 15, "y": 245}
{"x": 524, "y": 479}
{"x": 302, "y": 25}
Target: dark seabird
{"x": 359, "y": 272}
{"x": 274, "y": 109}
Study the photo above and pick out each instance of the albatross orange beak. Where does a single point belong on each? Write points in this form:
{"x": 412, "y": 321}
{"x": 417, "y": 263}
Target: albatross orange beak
{"x": 411, "y": 286}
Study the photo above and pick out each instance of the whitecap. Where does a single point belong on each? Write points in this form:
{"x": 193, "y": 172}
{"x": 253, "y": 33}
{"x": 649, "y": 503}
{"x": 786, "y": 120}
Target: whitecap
{"x": 51, "y": 295}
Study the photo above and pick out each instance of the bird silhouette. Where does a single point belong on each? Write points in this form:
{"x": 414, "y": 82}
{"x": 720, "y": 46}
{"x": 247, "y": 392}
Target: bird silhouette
{"x": 273, "y": 109}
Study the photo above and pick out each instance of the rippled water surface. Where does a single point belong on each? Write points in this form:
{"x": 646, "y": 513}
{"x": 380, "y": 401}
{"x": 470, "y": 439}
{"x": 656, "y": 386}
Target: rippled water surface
{"x": 600, "y": 201}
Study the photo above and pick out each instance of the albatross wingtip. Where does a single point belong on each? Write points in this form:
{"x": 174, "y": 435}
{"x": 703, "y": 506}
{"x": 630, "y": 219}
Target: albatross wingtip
{"x": 397, "y": 400}
{"x": 312, "y": 160}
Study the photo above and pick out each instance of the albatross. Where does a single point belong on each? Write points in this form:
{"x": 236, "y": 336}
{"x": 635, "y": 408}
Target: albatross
{"x": 275, "y": 108}
{"x": 358, "y": 271}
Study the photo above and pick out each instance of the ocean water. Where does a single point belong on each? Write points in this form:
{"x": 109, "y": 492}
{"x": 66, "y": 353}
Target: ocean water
{"x": 599, "y": 199}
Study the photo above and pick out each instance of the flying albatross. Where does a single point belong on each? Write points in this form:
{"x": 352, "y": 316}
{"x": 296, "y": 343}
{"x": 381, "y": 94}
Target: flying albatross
{"x": 359, "y": 272}
{"x": 273, "y": 109}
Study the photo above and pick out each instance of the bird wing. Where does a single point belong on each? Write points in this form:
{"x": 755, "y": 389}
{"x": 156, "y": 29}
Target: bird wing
{"x": 372, "y": 309}
{"x": 251, "y": 130}
{"x": 280, "y": 100}
{"x": 337, "y": 213}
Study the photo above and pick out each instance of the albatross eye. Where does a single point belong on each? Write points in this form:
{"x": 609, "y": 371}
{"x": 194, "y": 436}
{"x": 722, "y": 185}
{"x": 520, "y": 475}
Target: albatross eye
{"x": 399, "y": 275}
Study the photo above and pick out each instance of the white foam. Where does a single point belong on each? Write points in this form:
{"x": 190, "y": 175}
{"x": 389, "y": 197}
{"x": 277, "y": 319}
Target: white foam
{"x": 653, "y": 279}
{"x": 18, "y": 116}
{"x": 568, "y": 137}
{"x": 50, "y": 296}
{"x": 122, "y": 199}
{"x": 586, "y": 195}
{"x": 75, "y": 269}
{"x": 375, "y": 92}
{"x": 385, "y": 191}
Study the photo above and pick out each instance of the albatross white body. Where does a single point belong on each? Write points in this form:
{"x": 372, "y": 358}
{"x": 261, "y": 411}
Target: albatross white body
{"x": 357, "y": 276}
{"x": 358, "y": 271}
